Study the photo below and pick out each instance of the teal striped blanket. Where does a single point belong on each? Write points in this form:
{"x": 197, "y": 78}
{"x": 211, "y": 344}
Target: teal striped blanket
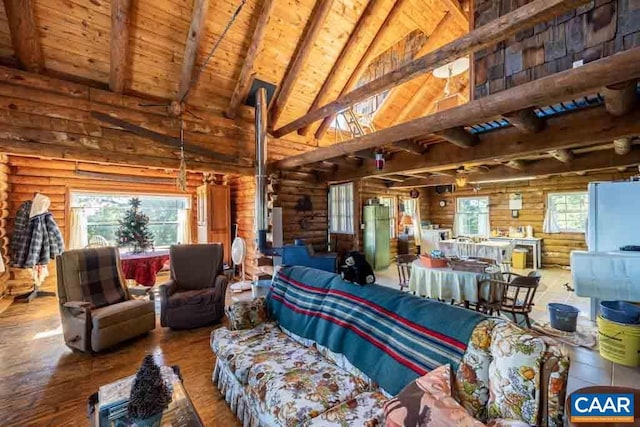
{"x": 391, "y": 336}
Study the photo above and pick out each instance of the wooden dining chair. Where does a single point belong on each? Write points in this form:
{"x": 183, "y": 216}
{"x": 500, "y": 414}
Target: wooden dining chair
{"x": 514, "y": 297}
{"x": 403, "y": 263}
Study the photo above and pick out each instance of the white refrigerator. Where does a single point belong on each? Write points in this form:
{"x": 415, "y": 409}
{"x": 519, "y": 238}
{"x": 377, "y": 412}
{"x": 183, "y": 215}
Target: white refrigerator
{"x": 604, "y": 272}
{"x": 614, "y": 215}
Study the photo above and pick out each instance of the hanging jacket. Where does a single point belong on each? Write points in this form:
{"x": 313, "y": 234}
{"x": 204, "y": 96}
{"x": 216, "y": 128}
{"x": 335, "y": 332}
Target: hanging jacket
{"x": 37, "y": 238}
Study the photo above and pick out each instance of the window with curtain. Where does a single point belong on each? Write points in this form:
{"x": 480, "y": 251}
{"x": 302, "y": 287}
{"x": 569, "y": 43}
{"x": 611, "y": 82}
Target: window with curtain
{"x": 390, "y": 202}
{"x": 97, "y": 214}
{"x": 570, "y": 211}
{"x": 472, "y": 216}
{"x": 341, "y": 208}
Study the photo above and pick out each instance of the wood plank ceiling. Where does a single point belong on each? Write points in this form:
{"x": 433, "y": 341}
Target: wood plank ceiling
{"x": 75, "y": 39}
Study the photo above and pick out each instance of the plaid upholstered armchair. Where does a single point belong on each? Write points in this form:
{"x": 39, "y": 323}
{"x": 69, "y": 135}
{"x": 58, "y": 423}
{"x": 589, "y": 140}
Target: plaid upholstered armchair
{"x": 96, "y": 308}
{"x": 194, "y": 296}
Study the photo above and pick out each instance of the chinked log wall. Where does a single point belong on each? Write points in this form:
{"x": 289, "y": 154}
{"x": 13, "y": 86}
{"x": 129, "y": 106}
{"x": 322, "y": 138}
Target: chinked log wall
{"x": 557, "y": 247}
{"x": 293, "y": 186}
{"x": 593, "y": 31}
{"x": 56, "y": 178}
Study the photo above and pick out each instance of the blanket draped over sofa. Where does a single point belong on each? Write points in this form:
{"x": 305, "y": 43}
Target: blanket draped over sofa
{"x": 396, "y": 337}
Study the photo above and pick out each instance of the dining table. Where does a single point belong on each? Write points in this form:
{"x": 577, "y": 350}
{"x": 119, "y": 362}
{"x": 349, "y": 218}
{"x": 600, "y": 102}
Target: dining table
{"x": 448, "y": 284}
{"x": 495, "y": 250}
{"x": 144, "y": 267}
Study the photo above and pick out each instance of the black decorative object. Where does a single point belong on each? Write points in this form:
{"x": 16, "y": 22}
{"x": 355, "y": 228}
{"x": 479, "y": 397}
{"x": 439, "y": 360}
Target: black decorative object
{"x": 303, "y": 206}
{"x": 150, "y": 396}
{"x": 414, "y": 194}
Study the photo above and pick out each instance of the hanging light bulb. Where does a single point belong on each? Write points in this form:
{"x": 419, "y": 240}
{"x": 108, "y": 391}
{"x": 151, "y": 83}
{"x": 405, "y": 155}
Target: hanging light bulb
{"x": 461, "y": 181}
{"x": 379, "y": 160}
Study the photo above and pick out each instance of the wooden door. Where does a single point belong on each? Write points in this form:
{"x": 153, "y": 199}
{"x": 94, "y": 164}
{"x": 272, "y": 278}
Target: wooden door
{"x": 219, "y": 218}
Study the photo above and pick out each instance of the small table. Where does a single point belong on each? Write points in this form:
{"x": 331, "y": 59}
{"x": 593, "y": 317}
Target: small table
{"x": 144, "y": 267}
{"x": 180, "y": 413}
{"x": 605, "y": 390}
{"x": 448, "y": 284}
{"x": 535, "y": 243}
{"x": 496, "y": 251}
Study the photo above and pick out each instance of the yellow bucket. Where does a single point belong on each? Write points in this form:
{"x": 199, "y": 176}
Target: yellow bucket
{"x": 619, "y": 343}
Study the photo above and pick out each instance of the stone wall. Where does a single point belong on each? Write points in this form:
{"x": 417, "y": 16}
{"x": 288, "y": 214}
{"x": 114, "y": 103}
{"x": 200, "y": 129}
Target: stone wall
{"x": 597, "y": 29}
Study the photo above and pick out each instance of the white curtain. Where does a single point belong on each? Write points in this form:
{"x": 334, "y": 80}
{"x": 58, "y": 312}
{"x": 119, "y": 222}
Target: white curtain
{"x": 456, "y": 224}
{"x": 484, "y": 226}
{"x": 184, "y": 226}
{"x": 78, "y": 237}
{"x": 415, "y": 217}
{"x": 550, "y": 224}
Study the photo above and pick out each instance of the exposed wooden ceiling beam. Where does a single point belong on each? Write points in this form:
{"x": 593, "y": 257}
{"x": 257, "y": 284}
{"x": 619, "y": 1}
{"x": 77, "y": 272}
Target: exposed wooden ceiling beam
{"x": 458, "y": 136}
{"x": 525, "y": 120}
{"x": 622, "y": 146}
{"x": 563, "y": 155}
{"x": 456, "y": 12}
{"x": 241, "y": 90}
{"x": 590, "y": 126}
{"x": 515, "y": 164}
{"x": 359, "y": 34}
{"x": 621, "y": 98}
{"x": 316, "y": 20}
{"x": 24, "y": 34}
{"x": 366, "y": 58}
{"x": 410, "y": 147}
{"x": 557, "y": 87}
{"x": 582, "y": 164}
{"x": 196, "y": 29}
{"x": 495, "y": 31}
{"x": 120, "y": 17}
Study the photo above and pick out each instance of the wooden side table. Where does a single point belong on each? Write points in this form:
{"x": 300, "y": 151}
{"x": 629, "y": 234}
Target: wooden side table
{"x": 605, "y": 390}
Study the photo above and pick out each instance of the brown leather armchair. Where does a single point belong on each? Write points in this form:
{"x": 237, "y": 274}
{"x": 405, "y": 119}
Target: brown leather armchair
{"x": 195, "y": 294}
{"x": 93, "y": 329}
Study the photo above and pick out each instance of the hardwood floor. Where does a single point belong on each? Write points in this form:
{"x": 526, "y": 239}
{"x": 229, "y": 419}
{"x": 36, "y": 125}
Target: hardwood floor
{"x": 44, "y": 383}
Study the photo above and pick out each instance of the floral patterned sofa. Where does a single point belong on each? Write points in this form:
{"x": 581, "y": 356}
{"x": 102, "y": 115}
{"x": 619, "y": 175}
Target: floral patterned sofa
{"x": 274, "y": 374}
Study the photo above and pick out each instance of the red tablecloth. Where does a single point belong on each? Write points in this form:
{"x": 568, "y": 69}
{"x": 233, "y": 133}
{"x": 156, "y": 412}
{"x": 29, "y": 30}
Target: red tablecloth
{"x": 144, "y": 267}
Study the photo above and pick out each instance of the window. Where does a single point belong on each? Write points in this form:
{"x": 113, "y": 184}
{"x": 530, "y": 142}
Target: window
{"x": 472, "y": 216}
{"x": 341, "y": 208}
{"x": 102, "y": 211}
{"x": 390, "y": 202}
{"x": 570, "y": 209}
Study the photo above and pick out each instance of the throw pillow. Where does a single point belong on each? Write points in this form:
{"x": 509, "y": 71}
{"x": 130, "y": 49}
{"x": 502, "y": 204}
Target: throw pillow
{"x": 246, "y": 314}
{"x": 428, "y": 402}
{"x": 515, "y": 374}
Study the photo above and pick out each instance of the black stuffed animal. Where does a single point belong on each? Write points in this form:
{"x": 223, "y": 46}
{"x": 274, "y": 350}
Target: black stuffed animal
{"x": 357, "y": 269}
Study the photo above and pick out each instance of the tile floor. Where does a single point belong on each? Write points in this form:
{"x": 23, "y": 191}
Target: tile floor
{"x": 587, "y": 367}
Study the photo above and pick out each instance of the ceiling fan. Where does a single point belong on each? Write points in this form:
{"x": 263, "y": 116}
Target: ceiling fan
{"x": 176, "y": 109}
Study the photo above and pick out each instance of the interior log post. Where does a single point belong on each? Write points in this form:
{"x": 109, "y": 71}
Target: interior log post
{"x": 459, "y": 136}
{"x": 303, "y": 51}
{"x": 525, "y": 120}
{"x": 621, "y": 98}
{"x": 242, "y": 85}
{"x": 120, "y": 16}
{"x": 622, "y": 146}
{"x": 24, "y": 34}
{"x": 395, "y": 11}
{"x": 198, "y": 16}
{"x": 488, "y": 35}
{"x": 563, "y": 155}
{"x": 357, "y": 37}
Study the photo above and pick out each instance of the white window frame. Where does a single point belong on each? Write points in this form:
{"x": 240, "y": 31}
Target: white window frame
{"x": 73, "y": 204}
{"x": 459, "y": 214}
{"x": 390, "y": 201}
{"x": 341, "y": 207}
{"x": 562, "y": 221}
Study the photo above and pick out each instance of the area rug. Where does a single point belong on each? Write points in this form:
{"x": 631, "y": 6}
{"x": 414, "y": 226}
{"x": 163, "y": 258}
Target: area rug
{"x": 586, "y": 334}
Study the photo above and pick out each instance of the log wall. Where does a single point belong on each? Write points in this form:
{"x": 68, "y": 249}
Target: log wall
{"x": 56, "y": 178}
{"x": 593, "y": 31}
{"x": 4, "y": 214}
{"x": 555, "y": 247}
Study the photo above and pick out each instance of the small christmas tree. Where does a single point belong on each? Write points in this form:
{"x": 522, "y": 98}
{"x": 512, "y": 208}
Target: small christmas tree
{"x": 133, "y": 231}
{"x": 149, "y": 394}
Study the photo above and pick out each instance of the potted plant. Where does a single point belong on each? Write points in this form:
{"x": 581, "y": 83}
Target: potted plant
{"x": 150, "y": 396}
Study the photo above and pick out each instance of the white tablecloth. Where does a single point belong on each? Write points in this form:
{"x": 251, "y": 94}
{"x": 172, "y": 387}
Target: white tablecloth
{"x": 497, "y": 251}
{"x": 447, "y": 284}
